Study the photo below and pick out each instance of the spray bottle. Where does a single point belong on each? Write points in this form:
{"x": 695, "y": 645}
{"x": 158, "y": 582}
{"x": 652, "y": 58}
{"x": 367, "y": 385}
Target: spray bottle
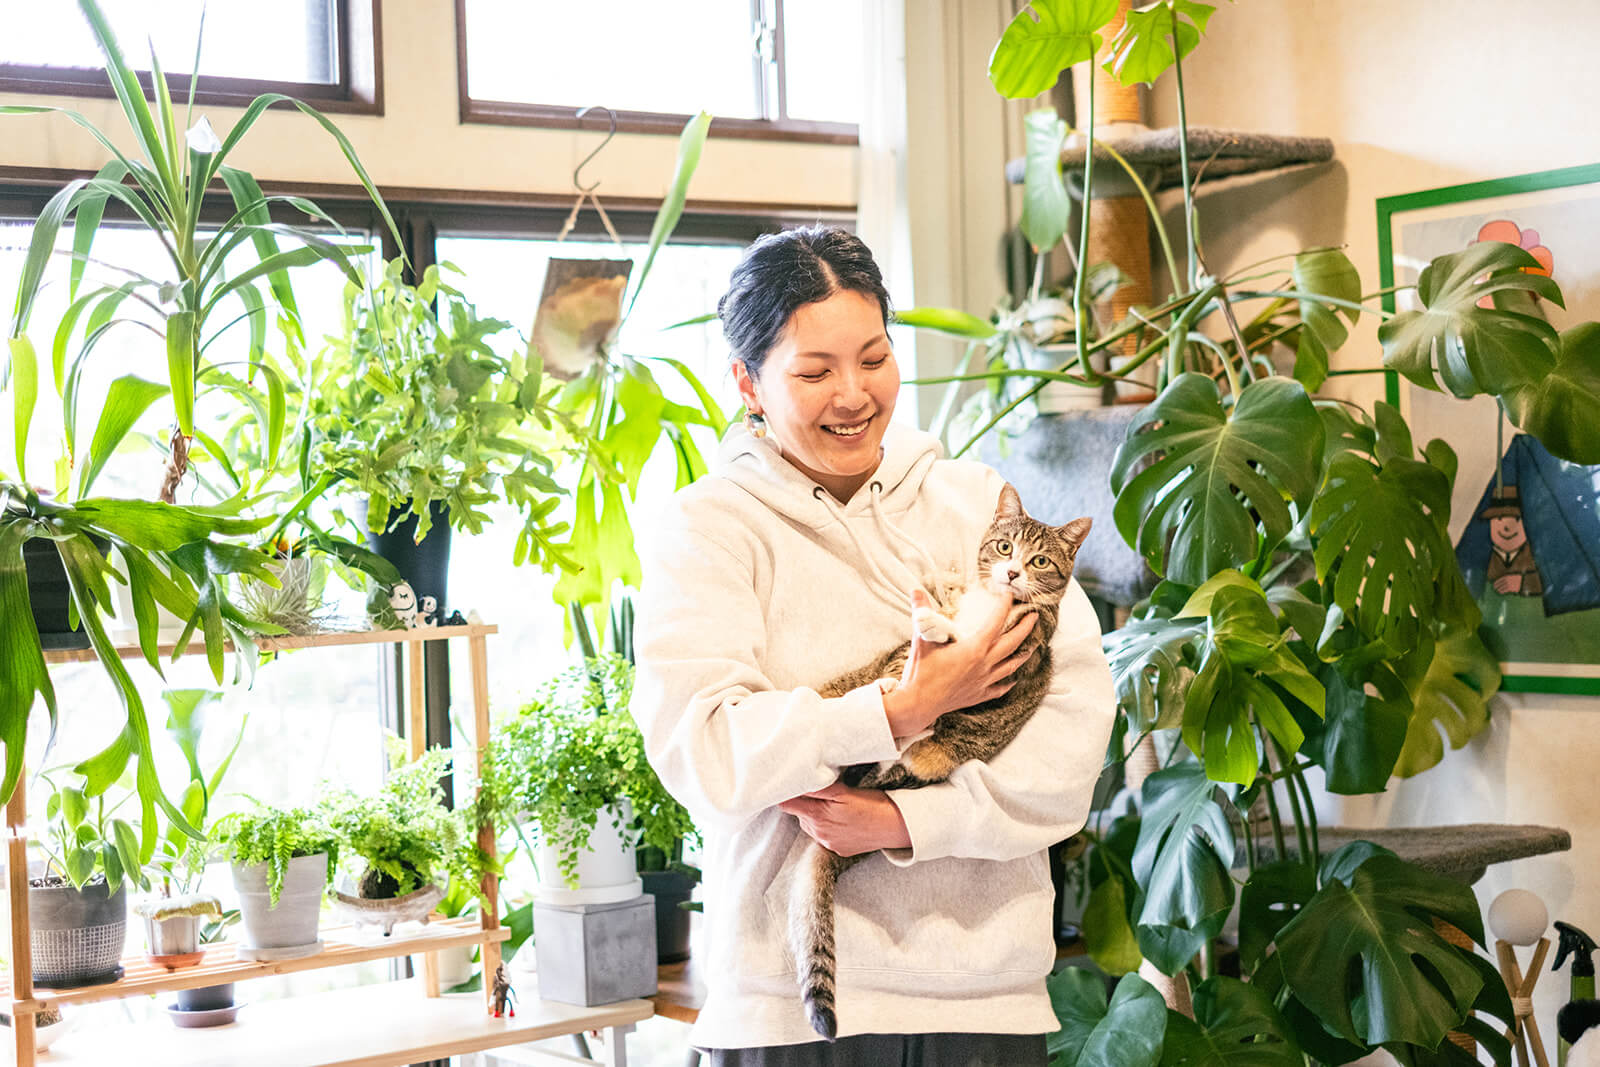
{"x": 1580, "y": 946}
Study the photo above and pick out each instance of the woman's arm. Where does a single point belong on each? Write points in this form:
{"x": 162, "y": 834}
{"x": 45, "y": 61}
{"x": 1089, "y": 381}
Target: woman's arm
{"x": 725, "y": 742}
{"x": 1037, "y": 791}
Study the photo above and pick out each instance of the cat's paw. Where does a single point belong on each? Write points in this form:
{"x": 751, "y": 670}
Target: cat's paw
{"x": 933, "y": 627}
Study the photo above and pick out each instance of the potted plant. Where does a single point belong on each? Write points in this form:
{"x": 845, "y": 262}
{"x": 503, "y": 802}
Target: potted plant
{"x": 1311, "y": 614}
{"x": 282, "y": 861}
{"x": 571, "y": 762}
{"x": 78, "y": 907}
{"x": 403, "y": 841}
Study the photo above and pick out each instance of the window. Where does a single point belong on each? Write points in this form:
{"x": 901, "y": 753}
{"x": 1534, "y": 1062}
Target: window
{"x": 766, "y": 68}
{"x": 327, "y": 54}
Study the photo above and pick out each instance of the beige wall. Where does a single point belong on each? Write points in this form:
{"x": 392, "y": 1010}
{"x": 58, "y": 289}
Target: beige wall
{"x": 419, "y": 141}
{"x": 1418, "y": 95}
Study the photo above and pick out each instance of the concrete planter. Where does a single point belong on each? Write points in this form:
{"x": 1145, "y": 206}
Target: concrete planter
{"x": 289, "y": 930}
{"x": 77, "y": 934}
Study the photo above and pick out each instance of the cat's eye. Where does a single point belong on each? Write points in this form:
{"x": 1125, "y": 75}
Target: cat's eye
{"x": 1041, "y": 561}
{"x": 1003, "y": 547}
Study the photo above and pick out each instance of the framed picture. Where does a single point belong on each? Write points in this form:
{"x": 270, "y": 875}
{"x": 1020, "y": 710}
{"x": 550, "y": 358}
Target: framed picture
{"x": 1526, "y": 525}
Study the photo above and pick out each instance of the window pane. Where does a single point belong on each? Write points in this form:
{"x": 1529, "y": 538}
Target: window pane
{"x": 290, "y": 41}
{"x": 822, "y": 59}
{"x": 632, "y": 55}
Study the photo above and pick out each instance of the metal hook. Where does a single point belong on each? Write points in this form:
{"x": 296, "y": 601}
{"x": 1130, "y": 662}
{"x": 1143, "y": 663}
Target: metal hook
{"x": 611, "y": 116}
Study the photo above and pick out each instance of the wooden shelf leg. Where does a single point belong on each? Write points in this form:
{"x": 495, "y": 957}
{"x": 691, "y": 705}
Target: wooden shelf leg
{"x": 478, "y": 655}
{"x": 430, "y": 973}
{"x": 18, "y": 930}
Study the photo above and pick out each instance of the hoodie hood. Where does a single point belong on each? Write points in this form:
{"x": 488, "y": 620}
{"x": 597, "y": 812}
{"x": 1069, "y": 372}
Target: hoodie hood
{"x": 757, "y": 466}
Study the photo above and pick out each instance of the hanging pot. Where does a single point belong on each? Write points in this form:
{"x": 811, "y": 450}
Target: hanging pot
{"x": 424, "y": 566}
{"x": 50, "y": 593}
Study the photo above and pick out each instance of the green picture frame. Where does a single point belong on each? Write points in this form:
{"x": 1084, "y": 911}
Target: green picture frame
{"x": 1556, "y": 215}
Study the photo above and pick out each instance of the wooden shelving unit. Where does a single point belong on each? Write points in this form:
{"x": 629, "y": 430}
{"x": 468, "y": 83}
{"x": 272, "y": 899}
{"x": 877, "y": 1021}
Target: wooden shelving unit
{"x": 398, "y": 1022}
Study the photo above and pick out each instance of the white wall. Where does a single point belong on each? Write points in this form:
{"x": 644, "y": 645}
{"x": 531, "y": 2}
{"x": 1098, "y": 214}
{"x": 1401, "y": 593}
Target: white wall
{"x": 419, "y": 141}
{"x": 1418, "y": 95}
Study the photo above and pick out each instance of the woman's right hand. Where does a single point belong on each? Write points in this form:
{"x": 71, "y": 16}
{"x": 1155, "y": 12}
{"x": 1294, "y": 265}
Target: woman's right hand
{"x": 967, "y": 671}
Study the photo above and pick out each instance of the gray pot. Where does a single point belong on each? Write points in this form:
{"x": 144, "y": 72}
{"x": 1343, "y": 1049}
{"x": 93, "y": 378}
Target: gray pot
{"x": 77, "y": 934}
{"x": 293, "y": 923}
{"x": 206, "y": 998}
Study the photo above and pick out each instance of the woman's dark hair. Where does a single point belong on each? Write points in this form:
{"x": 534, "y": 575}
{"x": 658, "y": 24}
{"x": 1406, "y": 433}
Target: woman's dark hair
{"x": 781, "y": 273}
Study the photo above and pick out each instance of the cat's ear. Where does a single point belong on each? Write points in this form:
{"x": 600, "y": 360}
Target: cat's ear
{"x": 1010, "y": 506}
{"x": 1074, "y": 533}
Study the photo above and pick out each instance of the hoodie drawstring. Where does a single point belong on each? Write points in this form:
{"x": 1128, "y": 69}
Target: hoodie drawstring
{"x": 881, "y": 584}
{"x": 929, "y": 567}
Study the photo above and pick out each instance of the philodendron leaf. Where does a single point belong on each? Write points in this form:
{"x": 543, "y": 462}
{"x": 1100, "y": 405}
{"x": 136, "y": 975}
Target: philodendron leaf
{"x": 1364, "y": 957}
{"x": 1045, "y": 205}
{"x": 1473, "y": 349}
{"x": 1562, "y": 409}
{"x": 1214, "y": 475}
{"x": 1185, "y": 848}
{"x": 1142, "y": 49}
{"x": 1044, "y": 39}
{"x": 1126, "y": 1032}
{"x": 1381, "y": 539}
{"x": 1323, "y": 272}
{"x": 1450, "y": 689}
{"x": 1234, "y": 1025}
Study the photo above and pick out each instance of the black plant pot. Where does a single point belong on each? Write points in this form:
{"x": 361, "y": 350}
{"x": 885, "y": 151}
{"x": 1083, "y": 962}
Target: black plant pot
{"x": 50, "y": 595}
{"x": 206, "y": 998}
{"x": 670, "y": 888}
{"x": 426, "y": 566}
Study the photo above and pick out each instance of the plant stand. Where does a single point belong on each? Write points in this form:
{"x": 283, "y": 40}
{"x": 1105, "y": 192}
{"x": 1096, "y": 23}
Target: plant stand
{"x": 369, "y": 1025}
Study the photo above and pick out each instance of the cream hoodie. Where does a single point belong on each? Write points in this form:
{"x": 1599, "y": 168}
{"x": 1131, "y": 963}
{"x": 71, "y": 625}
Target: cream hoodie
{"x": 758, "y": 587}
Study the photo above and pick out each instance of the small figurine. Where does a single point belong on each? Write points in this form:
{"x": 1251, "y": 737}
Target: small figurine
{"x": 403, "y": 602}
{"x": 456, "y": 619}
{"x": 504, "y": 995}
{"x": 428, "y": 616}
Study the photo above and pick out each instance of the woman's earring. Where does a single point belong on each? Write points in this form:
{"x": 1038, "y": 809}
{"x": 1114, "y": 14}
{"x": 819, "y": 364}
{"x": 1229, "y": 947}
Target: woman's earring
{"x": 756, "y": 423}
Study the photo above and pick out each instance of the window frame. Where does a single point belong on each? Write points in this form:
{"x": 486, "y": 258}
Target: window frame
{"x": 359, "y": 90}
{"x": 552, "y": 116}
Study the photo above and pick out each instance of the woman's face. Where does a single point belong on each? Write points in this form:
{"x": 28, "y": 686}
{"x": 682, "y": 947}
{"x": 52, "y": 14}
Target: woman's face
{"x": 827, "y": 390}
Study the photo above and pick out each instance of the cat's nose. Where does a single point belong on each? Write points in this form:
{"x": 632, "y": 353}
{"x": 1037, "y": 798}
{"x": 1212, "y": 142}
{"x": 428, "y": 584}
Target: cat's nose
{"x": 1013, "y": 573}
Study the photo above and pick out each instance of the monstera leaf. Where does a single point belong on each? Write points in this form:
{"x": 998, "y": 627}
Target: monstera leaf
{"x": 1361, "y": 735}
{"x": 1323, "y": 272}
{"x": 1214, "y": 475}
{"x": 1151, "y": 667}
{"x": 1364, "y": 958}
{"x": 1045, "y": 206}
{"x": 1185, "y": 848}
{"x": 1380, "y": 535}
{"x": 1473, "y": 349}
{"x": 1124, "y": 1033}
{"x": 1234, "y": 1025}
{"x": 1045, "y": 38}
{"x": 1273, "y": 896}
{"x": 1562, "y": 409}
{"x": 1449, "y": 689}
{"x": 1142, "y": 49}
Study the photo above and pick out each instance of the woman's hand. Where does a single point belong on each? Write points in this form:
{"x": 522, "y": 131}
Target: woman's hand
{"x": 850, "y": 821}
{"x": 964, "y": 672}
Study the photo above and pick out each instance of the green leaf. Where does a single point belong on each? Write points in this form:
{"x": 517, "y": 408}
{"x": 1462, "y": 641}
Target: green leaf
{"x": 252, "y": 206}
{"x": 691, "y": 142}
{"x": 1323, "y": 272}
{"x": 74, "y": 806}
{"x": 947, "y": 320}
{"x": 1381, "y": 538}
{"x": 1450, "y": 689}
{"x": 41, "y": 246}
{"x": 1562, "y": 409}
{"x": 1473, "y": 349}
{"x": 131, "y": 96}
{"x": 24, "y": 391}
{"x": 1107, "y": 934}
{"x": 1046, "y": 209}
{"x": 1214, "y": 476}
{"x": 1274, "y": 894}
{"x": 1198, "y": 606}
{"x": 1142, "y": 50}
{"x": 181, "y": 367}
{"x": 128, "y": 398}
{"x": 91, "y": 209}
{"x": 1364, "y": 957}
{"x": 1127, "y": 1032}
{"x": 1044, "y": 39}
{"x": 185, "y": 721}
{"x": 1361, "y": 737}
{"x": 23, "y": 673}
{"x": 1234, "y": 1025}
{"x": 80, "y": 865}
{"x": 1185, "y": 848}
{"x": 127, "y": 842}
{"x": 1152, "y": 662}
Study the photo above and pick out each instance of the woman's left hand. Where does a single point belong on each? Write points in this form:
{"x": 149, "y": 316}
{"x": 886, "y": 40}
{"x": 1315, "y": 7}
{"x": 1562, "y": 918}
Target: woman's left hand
{"x": 850, "y": 821}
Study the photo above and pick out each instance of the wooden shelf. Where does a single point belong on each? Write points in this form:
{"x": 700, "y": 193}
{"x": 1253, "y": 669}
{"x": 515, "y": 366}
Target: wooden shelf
{"x": 365, "y": 1026}
{"x": 287, "y": 644}
{"x": 341, "y": 945}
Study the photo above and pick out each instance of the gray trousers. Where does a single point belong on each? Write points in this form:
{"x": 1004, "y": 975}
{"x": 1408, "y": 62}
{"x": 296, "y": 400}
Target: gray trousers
{"x": 894, "y": 1050}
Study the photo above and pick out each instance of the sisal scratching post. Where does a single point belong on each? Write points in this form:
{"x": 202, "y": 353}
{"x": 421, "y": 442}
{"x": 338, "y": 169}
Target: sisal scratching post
{"x": 1459, "y": 939}
{"x": 1518, "y": 917}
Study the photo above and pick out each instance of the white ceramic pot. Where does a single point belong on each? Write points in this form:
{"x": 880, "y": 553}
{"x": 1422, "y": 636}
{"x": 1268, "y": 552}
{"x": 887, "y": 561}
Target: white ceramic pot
{"x": 455, "y": 965}
{"x": 606, "y": 871}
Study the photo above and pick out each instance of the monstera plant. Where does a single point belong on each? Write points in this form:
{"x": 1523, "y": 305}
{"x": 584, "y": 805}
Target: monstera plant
{"x": 1311, "y": 614}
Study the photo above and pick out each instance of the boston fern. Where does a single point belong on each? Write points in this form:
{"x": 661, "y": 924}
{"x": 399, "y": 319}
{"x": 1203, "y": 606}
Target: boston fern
{"x": 275, "y": 836}
{"x": 571, "y": 756}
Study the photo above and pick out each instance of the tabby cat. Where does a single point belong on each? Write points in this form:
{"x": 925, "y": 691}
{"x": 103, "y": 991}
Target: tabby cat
{"x": 1020, "y": 557}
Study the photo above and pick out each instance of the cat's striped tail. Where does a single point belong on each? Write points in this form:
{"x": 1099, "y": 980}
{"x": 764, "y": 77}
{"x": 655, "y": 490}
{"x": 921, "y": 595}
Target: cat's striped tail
{"x": 811, "y": 935}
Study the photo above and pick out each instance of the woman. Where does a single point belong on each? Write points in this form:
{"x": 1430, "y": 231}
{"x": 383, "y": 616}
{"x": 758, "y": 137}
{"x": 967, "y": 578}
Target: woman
{"x": 799, "y": 559}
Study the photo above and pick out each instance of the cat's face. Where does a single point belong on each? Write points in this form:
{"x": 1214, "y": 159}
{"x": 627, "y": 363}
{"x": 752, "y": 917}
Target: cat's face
{"x": 1026, "y": 559}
